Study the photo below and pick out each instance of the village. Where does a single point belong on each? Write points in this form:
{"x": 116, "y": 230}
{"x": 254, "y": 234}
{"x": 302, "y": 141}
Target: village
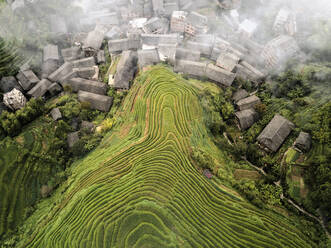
{"x": 150, "y": 32}
{"x": 208, "y": 92}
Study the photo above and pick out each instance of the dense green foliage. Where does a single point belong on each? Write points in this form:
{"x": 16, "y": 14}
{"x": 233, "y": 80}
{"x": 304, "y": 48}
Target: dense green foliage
{"x": 12, "y": 122}
{"x": 319, "y": 172}
{"x": 139, "y": 188}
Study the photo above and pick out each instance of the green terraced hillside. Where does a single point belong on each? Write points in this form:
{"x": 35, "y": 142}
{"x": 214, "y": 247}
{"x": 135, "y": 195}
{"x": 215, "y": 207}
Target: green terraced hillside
{"x": 139, "y": 188}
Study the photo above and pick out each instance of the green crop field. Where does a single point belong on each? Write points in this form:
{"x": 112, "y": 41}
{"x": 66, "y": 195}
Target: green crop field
{"x": 24, "y": 168}
{"x": 139, "y": 188}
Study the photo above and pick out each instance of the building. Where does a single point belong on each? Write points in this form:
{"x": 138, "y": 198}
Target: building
{"x": 40, "y": 89}
{"x": 123, "y": 45}
{"x": 178, "y": 20}
{"x": 156, "y": 25}
{"x": 246, "y": 71}
{"x": 246, "y": 118}
{"x": 72, "y": 139}
{"x": 126, "y": 69}
{"x": 8, "y": 84}
{"x": 186, "y": 54}
{"x": 51, "y": 52}
{"x": 84, "y": 62}
{"x": 239, "y": 94}
{"x": 99, "y": 102}
{"x": 227, "y": 61}
{"x": 275, "y": 133}
{"x": 78, "y": 84}
{"x": 62, "y": 72}
{"x": 94, "y": 40}
{"x": 303, "y": 142}
{"x": 204, "y": 48}
{"x": 72, "y": 53}
{"x": 56, "y": 114}
{"x": 156, "y": 39}
{"x": 191, "y": 68}
{"x": 248, "y": 102}
{"x": 219, "y": 75}
{"x": 148, "y": 57}
{"x": 27, "y": 79}
{"x": 279, "y": 50}
{"x": 167, "y": 52}
{"x": 14, "y": 99}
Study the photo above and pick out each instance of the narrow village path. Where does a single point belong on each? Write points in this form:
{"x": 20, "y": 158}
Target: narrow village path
{"x": 282, "y": 197}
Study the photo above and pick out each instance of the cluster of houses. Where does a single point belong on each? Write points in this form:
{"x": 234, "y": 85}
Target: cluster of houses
{"x": 148, "y": 32}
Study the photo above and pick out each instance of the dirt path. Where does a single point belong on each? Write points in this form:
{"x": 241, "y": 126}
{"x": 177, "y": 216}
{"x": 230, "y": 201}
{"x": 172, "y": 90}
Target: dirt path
{"x": 302, "y": 210}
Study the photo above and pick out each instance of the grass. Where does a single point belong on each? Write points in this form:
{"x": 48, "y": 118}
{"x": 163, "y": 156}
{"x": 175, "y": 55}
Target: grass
{"x": 247, "y": 174}
{"x": 139, "y": 189}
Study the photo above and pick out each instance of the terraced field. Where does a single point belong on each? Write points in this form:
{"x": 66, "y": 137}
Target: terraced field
{"x": 139, "y": 188}
{"x": 24, "y": 168}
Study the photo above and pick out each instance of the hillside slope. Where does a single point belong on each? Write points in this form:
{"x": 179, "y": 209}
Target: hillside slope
{"x": 139, "y": 188}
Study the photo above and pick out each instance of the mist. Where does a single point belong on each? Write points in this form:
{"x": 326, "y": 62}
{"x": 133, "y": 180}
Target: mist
{"x": 36, "y": 23}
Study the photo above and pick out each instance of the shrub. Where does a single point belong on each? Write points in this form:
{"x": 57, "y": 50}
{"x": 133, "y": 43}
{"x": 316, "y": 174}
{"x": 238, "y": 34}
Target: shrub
{"x": 260, "y": 108}
{"x": 12, "y": 123}
{"x": 107, "y": 124}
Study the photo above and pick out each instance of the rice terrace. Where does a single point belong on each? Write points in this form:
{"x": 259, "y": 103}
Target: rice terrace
{"x": 165, "y": 124}
{"x": 143, "y": 191}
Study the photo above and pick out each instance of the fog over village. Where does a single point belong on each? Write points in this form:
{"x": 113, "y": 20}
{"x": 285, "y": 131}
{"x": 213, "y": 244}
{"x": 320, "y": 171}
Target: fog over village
{"x": 165, "y": 123}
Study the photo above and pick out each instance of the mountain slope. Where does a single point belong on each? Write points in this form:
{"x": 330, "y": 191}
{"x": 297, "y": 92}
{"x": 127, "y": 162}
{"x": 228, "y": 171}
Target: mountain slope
{"x": 139, "y": 188}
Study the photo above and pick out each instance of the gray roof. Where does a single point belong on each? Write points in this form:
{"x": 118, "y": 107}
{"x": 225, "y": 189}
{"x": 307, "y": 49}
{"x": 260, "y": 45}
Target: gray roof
{"x": 94, "y": 40}
{"x": 227, "y": 60}
{"x": 239, "y": 94}
{"x": 61, "y": 72}
{"x": 170, "y": 7}
{"x": 86, "y": 72}
{"x": 114, "y": 33}
{"x": 158, "y": 7}
{"x": 148, "y": 57}
{"x": 167, "y": 52}
{"x": 126, "y": 69}
{"x": 156, "y": 25}
{"x": 220, "y": 75}
{"x": 51, "y": 52}
{"x": 78, "y": 84}
{"x": 88, "y": 126}
{"x": 248, "y": 102}
{"x": 56, "y": 114}
{"x": 27, "y": 79}
{"x": 72, "y": 139}
{"x": 303, "y": 142}
{"x": 246, "y": 118}
{"x": 275, "y": 133}
{"x": 9, "y": 83}
{"x": 99, "y": 102}
{"x": 101, "y": 57}
{"x": 85, "y": 62}
{"x": 279, "y": 50}
{"x": 49, "y": 67}
{"x": 155, "y": 39}
{"x": 196, "y": 19}
{"x": 123, "y": 45}
{"x": 54, "y": 89}
{"x": 191, "y": 67}
{"x": 186, "y": 54}
{"x": 72, "y": 53}
{"x": 40, "y": 88}
{"x": 203, "y": 48}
